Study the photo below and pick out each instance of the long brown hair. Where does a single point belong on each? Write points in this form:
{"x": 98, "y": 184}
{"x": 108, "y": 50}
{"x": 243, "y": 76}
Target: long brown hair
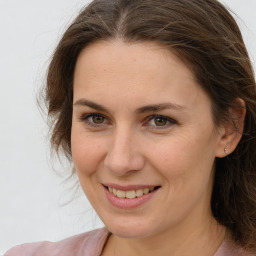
{"x": 206, "y": 37}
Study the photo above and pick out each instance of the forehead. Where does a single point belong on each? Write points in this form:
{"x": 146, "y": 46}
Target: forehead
{"x": 118, "y": 56}
{"x": 144, "y": 71}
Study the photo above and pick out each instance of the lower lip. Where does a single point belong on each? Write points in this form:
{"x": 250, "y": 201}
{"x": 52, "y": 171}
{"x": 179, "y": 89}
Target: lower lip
{"x": 125, "y": 203}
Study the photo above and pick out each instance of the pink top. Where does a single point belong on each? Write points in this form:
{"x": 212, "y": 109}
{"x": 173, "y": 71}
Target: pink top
{"x": 92, "y": 244}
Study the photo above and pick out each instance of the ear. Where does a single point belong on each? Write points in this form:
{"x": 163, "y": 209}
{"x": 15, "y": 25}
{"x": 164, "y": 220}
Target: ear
{"x": 232, "y": 130}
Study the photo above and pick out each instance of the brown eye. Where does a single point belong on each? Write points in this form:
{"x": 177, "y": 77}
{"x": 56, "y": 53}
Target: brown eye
{"x": 95, "y": 120}
{"x": 98, "y": 119}
{"x": 159, "y": 121}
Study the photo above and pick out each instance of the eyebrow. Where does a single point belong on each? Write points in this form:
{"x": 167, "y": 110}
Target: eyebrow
{"x": 91, "y": 104}
{"x": 159, "y": 107}
{"x": 141, "y": 110}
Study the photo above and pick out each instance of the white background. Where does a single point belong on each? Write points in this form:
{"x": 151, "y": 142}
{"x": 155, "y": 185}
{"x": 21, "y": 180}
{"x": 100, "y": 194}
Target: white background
{"x": 32, "y": 196}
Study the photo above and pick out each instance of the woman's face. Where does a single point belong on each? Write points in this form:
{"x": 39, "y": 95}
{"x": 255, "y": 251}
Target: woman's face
{"x": 142, "y": 128}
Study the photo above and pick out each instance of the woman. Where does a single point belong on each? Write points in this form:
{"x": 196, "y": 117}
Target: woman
{"x": 154, "y": 101}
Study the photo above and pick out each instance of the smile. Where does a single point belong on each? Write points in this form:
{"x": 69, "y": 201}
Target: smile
{"x": 127, "y": 197}
{"x": 131, "y": 194}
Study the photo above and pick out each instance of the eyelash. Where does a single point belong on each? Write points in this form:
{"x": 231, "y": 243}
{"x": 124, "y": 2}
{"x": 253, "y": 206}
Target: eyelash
{"x": 170, "y": 121}
{"x": 85, "y": 118}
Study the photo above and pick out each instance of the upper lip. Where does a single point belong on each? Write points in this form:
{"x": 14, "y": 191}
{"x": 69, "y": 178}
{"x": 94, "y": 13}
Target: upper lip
{"x": 128, "y": 187}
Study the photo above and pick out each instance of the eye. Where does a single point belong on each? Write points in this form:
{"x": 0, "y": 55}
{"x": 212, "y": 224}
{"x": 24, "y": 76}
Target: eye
{"x": 97, "y": 119}
{"x": 94, "y": 119}
{"x": 160, "y": 122}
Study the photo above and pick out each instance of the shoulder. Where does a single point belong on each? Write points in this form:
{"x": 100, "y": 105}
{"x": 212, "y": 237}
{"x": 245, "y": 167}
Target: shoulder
{"x": 230, "y": 248}
{"x": 86, "y": 244}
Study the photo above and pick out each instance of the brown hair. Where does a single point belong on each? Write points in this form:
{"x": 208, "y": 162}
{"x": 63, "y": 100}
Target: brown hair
{"x": 206, "y": 37}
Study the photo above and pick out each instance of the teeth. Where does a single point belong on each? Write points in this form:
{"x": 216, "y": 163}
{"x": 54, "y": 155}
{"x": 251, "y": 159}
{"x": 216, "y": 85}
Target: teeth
{"x": 146, "y": 190}
{"x": 131, "y": 193}
{"x": 120, "y": 193}
{"x": 139, "y": 192}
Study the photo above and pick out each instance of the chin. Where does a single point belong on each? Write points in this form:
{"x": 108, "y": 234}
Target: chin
{"x": 127, "y": 229}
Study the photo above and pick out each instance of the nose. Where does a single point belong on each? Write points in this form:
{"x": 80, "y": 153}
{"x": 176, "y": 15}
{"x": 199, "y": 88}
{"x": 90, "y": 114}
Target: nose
{"x": 124, "y": 155}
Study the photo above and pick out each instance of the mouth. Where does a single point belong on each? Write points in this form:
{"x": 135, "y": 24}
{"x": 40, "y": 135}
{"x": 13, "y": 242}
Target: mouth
{"x": 131, "y": 194}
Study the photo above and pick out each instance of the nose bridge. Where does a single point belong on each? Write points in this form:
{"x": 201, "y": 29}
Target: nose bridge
{"x": 124, "y": 155}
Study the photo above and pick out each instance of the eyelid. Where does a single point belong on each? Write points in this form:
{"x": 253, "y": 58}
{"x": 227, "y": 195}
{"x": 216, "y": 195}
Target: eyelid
{"x": 85, "y": 118}
{"x": 170, "y": 121}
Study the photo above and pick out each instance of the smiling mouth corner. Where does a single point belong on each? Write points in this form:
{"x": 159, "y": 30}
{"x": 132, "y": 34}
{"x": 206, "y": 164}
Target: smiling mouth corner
{"x": 131, "y": 194}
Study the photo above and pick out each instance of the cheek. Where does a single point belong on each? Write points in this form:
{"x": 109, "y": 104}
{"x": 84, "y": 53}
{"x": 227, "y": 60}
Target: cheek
{"x": 171, "y": 156}
{"x": 186, "y": 173}
{"x": 87, "y": 152}
{"x": 184, "y": 161}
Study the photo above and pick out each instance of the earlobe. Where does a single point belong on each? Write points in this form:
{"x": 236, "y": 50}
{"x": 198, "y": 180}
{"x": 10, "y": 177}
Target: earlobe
{"x": 232, "y": 130}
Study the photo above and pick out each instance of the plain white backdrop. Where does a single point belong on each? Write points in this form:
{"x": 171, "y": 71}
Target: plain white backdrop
{"x": 32, "y": 196}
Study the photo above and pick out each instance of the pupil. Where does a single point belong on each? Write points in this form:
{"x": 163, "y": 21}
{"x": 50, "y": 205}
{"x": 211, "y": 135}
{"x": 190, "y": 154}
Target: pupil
{"x": 160, "y": 121}
{"x": 98, "y": 119}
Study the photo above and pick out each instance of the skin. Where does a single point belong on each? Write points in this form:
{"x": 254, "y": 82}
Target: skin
{"x": 129, "y": 147}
